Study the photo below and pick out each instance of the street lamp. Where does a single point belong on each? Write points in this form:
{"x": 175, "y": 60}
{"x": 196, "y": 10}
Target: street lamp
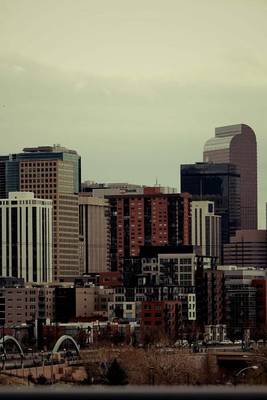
{"x": 65, "y": 354}
{"x": 3, "y": 357}
{"x": 42, "y": 355}
{"x": 151, "y": 376}
{"x": 30, "y": 350}
{"x": 254, "y": 367}
{"x": 52, "y": 361}
{"x": 244, "y": 369}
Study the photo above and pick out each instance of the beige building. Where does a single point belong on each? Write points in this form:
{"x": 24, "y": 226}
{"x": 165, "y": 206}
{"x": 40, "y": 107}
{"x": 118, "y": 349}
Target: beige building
{"x": 22, "y": 304}
{"x": 92, "y": 301}
{"x": 94, "y": 234}
{"x": 54, "y": 173}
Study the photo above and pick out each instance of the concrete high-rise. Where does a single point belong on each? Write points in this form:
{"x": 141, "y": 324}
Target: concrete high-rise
{"x": 94, "y": 214}
{"x": 236, "y": 144}
{"x": 206, "y": 229}
{"x": 26, "y": 237}
{"x": 51, "y": 172}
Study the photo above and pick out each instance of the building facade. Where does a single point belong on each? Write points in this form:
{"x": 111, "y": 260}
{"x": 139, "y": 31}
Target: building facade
{"x": 248, "y": 248}
{"x": 209, "y": 298}
{"x": 154, "y": 219}
{"x": 241, "y": 299}
{"x": 219, "y": 183}
{"x": 206, "y": 229}
{"x": 261, "y": 305}
{"x": 236, "y": 144}
{"x": 161, "y": 319}
{"x": 50, "y": 172}
{"x": 26, "y": 237}
{"x": 94, "y": 215}
{"x": 24, "y": 304}
{"x": 163, "y": 273}
{"x": 103, "y": 190}
{"x": 92, "y": 301}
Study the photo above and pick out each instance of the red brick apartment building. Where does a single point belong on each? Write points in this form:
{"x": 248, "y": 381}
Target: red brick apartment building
{"x": 110, "y": 279}
{"x": 161, "y": 317}
{"x": 152, "y": 218}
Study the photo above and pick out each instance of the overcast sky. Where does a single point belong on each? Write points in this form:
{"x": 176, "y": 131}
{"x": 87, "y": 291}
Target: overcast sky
{"x": 135, "y": 86}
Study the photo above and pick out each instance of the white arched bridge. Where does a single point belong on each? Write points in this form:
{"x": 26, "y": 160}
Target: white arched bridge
{"x": 64, "y": 339}
{"x": 59, "y": 343}
{"x": 10, "y": 339}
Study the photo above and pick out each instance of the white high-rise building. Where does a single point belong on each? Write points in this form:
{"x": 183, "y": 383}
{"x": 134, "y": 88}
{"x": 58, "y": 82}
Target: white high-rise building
{"x": 26, "y": 237}
{"x": 206, "y": 228}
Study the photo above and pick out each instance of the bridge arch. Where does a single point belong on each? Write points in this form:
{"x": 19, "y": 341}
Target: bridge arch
{"x": 8, "y": 338}
{"x": 63, "y": 339}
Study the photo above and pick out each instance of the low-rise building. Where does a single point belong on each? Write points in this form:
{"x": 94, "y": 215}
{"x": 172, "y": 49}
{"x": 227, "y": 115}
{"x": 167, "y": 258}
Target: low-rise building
{"x": 248, "y": 248}
{"x": 124, "y": 310}
{"x": 161, "y": 317}
{"x": 24, "y": 304}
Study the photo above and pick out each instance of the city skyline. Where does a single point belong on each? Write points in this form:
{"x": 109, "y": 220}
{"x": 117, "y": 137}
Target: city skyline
{"x": 127, "y": 83}
{"x": 133, "y": 196}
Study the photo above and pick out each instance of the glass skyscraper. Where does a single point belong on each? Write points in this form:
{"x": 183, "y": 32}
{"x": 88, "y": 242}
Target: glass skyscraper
{"x": 219, "y": 183}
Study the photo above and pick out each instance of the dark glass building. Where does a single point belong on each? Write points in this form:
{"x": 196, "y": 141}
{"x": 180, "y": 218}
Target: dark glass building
{"x": 219, "y": 183}
{"x": 65, "y": 304}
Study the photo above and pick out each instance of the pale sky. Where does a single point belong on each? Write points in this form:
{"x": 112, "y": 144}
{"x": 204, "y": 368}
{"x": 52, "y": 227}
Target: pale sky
{"x": 135, "y": 86}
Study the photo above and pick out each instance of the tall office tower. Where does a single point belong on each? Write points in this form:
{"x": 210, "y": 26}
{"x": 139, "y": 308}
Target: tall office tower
{"x": 51, "y": 173}
{"x": 236, "y": 144}
{"x": 219, "y": 183}
{"x": 26, "y": 237}
{"x": 94, "y": 214}
{"x": 155, "y": 219}
{"x": 206, "y": 228}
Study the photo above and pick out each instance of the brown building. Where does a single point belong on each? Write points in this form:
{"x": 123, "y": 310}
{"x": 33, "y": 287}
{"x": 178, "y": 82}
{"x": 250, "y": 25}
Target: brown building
{"x": 155, "y": 219}
{"x": 161, "y": 318}
{"x": 248, "y": 248}
{"x": 209, "y": 297}
{"x": 94, "y": 214}
{"x": 236, "y": 144}
{"x": 110, "y": 279}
